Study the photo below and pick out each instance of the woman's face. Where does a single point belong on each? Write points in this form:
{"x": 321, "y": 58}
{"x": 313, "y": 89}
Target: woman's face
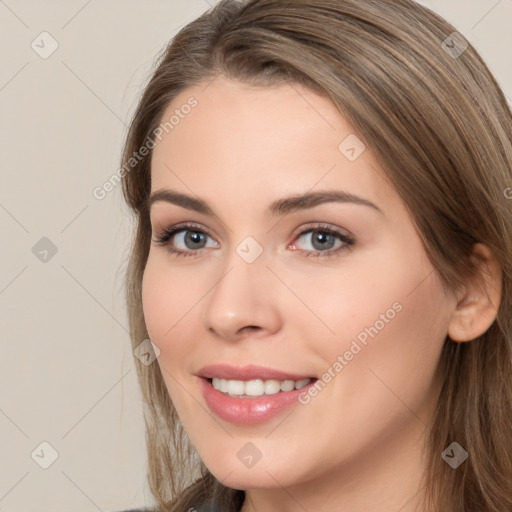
{"x": 335, "y": 290}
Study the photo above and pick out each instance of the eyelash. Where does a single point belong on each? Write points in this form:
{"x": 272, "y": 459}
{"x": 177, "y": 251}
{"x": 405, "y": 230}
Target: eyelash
{"x": 164, "y": 237}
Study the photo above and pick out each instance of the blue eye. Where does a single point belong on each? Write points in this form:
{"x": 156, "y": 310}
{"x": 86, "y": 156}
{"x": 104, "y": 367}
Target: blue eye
{"x": 190, "y": 235}
{"x": 323, "y": 240}
{"x": 195, "y": 239}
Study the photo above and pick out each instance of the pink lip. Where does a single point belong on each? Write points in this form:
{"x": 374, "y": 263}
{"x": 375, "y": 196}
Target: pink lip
{"x": 250, "y": 372}
{"x": 248, "y": 410}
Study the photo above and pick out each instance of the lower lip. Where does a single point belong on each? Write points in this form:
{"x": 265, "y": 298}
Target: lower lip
{"x": 249, "y": 411}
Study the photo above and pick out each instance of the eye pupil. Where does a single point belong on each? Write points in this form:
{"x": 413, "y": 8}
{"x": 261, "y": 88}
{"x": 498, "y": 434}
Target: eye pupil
{"x": 323, "y": 239}
{"x": 194, "y": 237}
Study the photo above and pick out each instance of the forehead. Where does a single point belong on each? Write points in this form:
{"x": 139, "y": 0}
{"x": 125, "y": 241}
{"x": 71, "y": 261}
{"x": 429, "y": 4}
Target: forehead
{"x": 254, "y": 117}
{"x": 271, "y": 140}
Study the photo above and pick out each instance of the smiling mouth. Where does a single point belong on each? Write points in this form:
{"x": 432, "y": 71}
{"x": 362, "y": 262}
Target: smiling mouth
{"x": 252, "y": 395}
{"x": 256, "y": 387}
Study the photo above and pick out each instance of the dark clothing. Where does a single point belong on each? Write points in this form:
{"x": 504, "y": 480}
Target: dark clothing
{"x": 202, "y": 509}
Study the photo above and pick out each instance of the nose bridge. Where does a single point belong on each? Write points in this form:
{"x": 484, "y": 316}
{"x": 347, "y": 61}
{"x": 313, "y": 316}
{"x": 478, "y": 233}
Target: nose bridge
{"x": 241, "y": 296}
{"x": 245, "y": 265}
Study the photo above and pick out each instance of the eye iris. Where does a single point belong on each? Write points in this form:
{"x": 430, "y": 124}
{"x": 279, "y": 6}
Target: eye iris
{"x": 194, "y": 238}
{"x": 323, "y": 239}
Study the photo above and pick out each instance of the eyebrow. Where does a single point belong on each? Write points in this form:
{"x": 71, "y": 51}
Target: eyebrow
{"x": 277, "y": 208}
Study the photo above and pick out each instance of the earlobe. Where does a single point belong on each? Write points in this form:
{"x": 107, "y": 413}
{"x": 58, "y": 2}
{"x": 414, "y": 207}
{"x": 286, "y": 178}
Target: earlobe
{"x": 479, "y": 301}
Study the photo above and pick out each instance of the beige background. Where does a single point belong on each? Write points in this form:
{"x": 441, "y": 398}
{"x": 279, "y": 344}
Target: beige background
{"x": 67, "y": 373}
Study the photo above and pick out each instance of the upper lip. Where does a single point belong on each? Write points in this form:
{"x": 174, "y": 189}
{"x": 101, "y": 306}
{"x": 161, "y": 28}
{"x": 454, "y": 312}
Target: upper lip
{"x": 249, "y": 372}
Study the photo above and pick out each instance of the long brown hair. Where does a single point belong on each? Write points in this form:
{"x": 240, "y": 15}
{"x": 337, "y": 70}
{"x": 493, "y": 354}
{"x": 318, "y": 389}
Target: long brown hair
{"x": 441, "y": 128}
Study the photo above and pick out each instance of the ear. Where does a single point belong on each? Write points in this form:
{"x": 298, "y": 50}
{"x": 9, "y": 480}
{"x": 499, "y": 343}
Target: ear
{"x": 479, "y": 300}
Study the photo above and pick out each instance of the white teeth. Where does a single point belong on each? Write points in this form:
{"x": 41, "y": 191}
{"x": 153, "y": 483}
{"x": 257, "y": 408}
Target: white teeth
{"x": 287, "y": 385}
{"x": 257, "y": 387}
{"x": 236, "y": 387}
{"x": 223, "y": 385}
{"x": 301, "y": 383}
{"x": 272, "y": 387}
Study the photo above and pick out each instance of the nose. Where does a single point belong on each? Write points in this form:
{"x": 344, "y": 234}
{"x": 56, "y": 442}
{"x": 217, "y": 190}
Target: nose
{"x": 243, "y": 302}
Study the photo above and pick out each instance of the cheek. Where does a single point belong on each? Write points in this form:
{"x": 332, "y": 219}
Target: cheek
{"x": 358, "y": 302}
{"x": 168, "y": 299}
{"x": 390, "y": 353}
{"x": 390, "y": 300}
{"x": 167, "y": 303}
{"x": 388, "y": 322}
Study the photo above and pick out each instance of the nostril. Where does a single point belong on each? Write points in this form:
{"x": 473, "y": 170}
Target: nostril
{"x": 249, "y": 328}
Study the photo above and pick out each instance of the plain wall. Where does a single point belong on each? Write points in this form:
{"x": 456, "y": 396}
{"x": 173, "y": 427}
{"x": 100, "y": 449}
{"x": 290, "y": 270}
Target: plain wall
{"x": 67, "y": 372}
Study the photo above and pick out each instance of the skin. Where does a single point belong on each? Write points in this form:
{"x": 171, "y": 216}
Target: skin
{"x": 357, "y": 445}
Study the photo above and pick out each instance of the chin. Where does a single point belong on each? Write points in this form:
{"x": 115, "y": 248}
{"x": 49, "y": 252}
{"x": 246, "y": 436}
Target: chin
{"x": 263, "y": 474}
{"x": 249, "y": 478}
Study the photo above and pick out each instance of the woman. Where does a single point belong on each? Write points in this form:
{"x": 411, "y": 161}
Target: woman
{"x": 322, "y": 262}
